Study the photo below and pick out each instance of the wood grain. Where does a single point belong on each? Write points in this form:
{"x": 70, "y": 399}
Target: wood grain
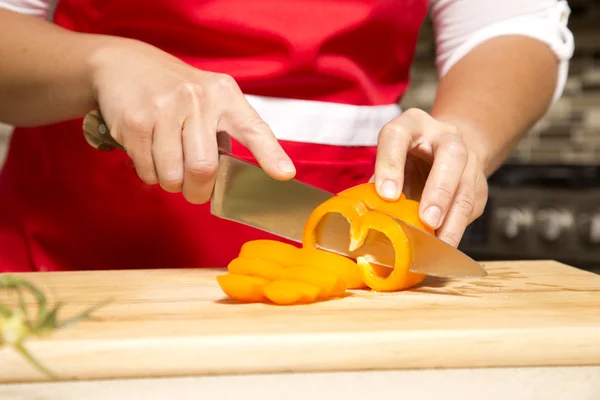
{"x": 166, "y": 323}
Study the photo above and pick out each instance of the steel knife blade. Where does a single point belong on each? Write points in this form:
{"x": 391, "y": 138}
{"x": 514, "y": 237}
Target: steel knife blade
{"x": 244, "y": 193}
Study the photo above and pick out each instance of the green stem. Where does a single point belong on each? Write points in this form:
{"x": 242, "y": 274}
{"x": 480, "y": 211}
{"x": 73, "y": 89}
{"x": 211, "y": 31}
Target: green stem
{"x": 35, "y": 363}
{"x": 9, "y": 281}
{"x": 84, "y": 315}
{"x": 5, "y": 311}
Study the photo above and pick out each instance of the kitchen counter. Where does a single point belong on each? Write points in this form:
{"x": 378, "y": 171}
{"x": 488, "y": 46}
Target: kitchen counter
{"x": 550, "y": 383}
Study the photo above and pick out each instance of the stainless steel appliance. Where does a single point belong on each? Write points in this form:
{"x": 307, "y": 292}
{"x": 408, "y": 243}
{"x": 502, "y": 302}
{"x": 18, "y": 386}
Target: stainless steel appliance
{"x": 540, "y": 212}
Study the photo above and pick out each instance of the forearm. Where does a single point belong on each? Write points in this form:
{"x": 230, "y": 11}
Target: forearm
{"x": 46, "y": 71}
{"x": 496, "y": 93}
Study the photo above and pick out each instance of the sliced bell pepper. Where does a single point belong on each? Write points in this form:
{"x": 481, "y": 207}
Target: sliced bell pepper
{"x": 365, "y": 210}
{"x": 350, "y": 209}
{"x": 284, "y": 274}
{"x": 243, "y": 288}
{"x": 269, "y": 270}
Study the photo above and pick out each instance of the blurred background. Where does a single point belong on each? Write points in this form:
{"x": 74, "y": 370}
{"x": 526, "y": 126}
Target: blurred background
{"x": 544, "y": 202}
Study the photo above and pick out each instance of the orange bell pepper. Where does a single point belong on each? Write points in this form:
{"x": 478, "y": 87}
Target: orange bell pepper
{"x": 268, "y": 270}
{"x": 284, "y": 274}
{"x": 365, "y": 210}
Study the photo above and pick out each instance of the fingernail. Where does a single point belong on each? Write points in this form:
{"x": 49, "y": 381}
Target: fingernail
{"x": 389, "y": 189}
{"x": 285, "y": 166}
{"x": 432, "y": 216}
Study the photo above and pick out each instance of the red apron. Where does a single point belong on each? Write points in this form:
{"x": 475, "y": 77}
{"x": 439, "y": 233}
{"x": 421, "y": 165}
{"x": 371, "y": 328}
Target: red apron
{"x": 65, "y": 206}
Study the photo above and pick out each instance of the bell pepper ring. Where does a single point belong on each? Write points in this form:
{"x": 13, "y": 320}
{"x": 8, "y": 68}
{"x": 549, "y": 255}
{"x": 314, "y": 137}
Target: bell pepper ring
{"x": 365, "y": 210}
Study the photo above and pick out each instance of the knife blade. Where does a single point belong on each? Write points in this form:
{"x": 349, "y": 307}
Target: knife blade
{"x": 245, "y": 194}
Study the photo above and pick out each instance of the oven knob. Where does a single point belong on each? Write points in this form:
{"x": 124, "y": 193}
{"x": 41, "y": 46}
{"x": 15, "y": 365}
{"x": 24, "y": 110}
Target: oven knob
{"x": 553, "y": 223}
{"x": 512, "y": 221}
{"x": 590, "y": 227}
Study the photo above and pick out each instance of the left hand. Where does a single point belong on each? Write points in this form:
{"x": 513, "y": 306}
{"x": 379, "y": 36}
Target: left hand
{"x": 430, "y": 161}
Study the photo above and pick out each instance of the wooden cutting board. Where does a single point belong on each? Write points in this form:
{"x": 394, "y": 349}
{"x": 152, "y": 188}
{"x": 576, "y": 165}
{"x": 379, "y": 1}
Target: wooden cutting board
{"x": 179, "y": 323}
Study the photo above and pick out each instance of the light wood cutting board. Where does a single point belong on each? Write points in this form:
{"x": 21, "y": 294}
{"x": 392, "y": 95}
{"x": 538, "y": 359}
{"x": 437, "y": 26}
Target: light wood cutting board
{"x": 179, "y": 323}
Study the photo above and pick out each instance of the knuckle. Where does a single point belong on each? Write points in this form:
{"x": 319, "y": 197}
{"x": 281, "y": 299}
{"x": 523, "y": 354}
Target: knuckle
{"x": 393, "y": 164}
{"x": 465, "y": 204}
{"x": 201, "y": 168}
{"x": 137, "y": 121}
{"x": 415, "y": 113}
{"x": 190, "y": 90}
{"x": 224, "y": 82}
{"x": 394, "y": 130}
{"x": 254, "y": 128}
{"x": 443, "y": 194}
{"x": 453, "y": 130}
{"x": 158, "y": 103}
{"x": 457, "y": 149}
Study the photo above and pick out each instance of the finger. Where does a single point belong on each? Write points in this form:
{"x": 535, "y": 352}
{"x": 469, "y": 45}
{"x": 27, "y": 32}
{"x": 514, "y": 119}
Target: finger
{"x": 462, "y": 207}
{"x": 167, "y": 152}
{"x": 201, "y": 158}
{"x": 393, "y": 143}
{"x": 242, "y": 122}
{"x": 136, "y": 133}
{"x": 254, "y": 133}
{"x": 450, "y": 160}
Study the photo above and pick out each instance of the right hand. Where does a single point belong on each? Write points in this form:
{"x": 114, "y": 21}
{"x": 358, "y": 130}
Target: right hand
{"x": 166, "y": 114}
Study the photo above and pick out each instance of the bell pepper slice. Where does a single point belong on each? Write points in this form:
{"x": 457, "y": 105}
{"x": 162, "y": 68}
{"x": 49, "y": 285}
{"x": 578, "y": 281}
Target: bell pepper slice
{"x": 350, "y": 209}
{"x": 287, "y": 292}
{"x": 247, "y": 289}
{"x": 260, "y": 268}
{"x": 367, "y": 194}
{"x": 319, "y": 275}
{"x": 277, "y": 260}
{"x": 344, "y": 268}
{"x": 272, "y": 250}
{"x": 380, "y": 278}
{"x": 287, "y": 255}
{"x": 365, "y": 210}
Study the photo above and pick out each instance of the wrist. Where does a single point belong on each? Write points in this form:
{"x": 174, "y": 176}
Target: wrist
{"x": 103, "y": 52}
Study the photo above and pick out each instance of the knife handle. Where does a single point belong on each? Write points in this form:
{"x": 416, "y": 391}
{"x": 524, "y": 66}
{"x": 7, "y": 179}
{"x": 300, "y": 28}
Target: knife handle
{"x": 98, "y": 135}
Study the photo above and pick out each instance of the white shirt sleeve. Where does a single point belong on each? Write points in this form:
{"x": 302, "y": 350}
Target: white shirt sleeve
{"x": 461, "y": 25}
{"x": 36, "y": 8}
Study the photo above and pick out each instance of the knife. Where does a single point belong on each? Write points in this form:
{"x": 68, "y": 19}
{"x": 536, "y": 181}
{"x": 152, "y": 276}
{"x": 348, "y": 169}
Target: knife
{"x": 245, "y": 194}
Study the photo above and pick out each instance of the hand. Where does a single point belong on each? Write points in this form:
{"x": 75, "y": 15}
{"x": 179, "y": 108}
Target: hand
{"x": 167, "y": 114}
{"x": 430, "y": 161}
